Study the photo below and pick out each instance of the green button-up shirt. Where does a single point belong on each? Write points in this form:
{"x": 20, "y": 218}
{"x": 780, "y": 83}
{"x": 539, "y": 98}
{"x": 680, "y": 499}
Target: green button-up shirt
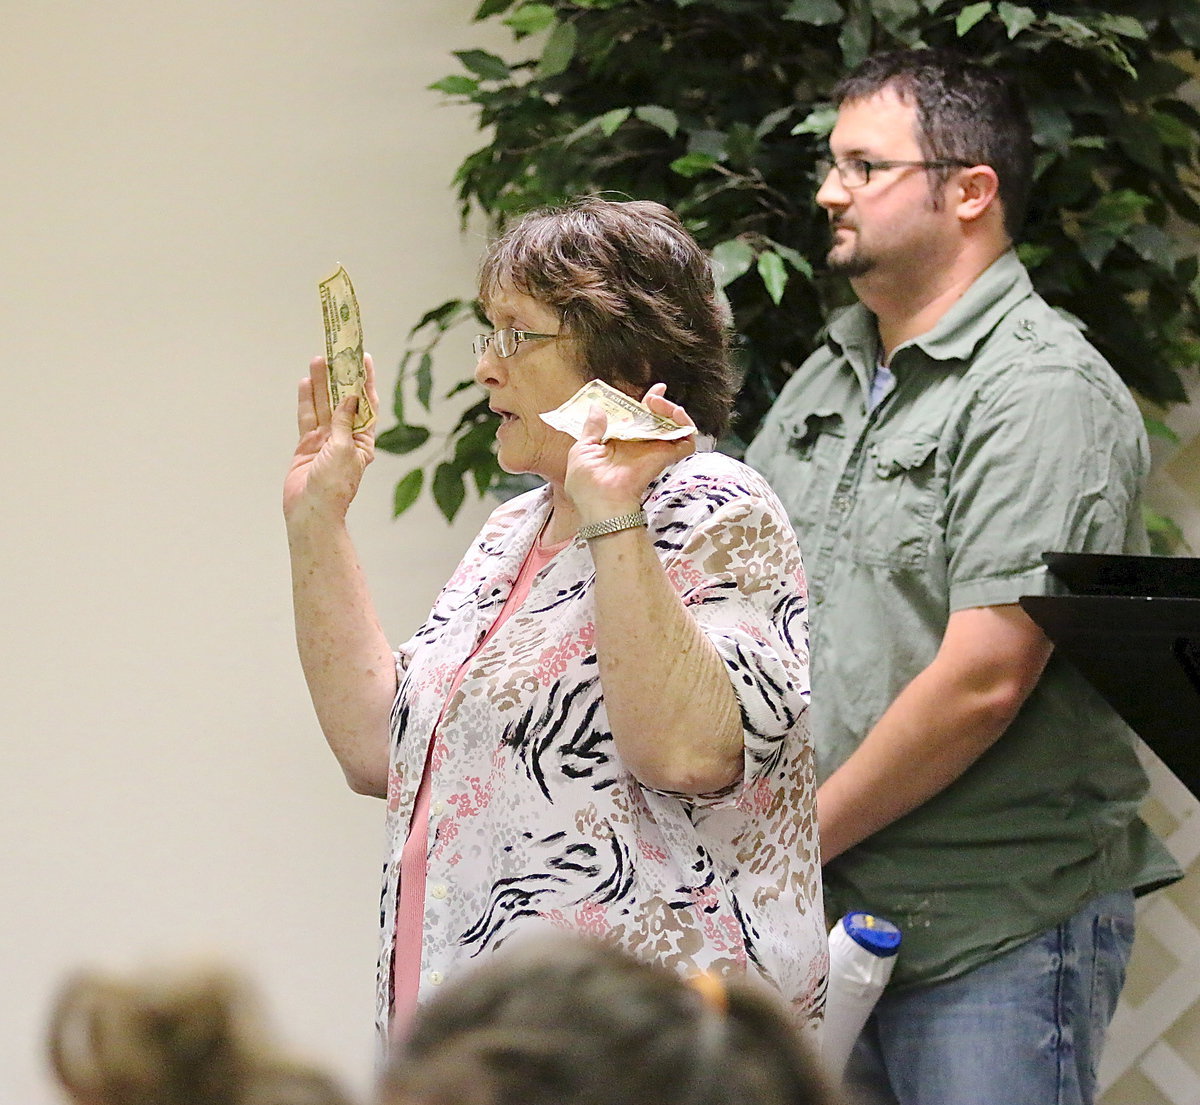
{"x": 1006, "y": 435}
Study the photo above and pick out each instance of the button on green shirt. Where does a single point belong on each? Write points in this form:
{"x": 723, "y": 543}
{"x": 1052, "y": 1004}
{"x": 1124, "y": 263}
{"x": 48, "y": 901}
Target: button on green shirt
{"x": 1006, "y": 435}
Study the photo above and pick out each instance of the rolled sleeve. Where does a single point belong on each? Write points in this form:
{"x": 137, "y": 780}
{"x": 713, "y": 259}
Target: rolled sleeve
{"x": 1009, "y": 503}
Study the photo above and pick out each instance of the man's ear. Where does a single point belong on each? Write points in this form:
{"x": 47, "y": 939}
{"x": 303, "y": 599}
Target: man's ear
{"x": 978, "y": 191}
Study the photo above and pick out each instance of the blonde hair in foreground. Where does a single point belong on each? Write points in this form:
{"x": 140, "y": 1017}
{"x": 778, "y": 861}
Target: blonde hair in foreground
{"x": 181, "y": 1037}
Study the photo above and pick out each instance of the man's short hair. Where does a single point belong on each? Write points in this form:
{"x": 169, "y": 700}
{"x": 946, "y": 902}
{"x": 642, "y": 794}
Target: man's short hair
{"x": 965, "y": 112}
{"x": 635, "y": 291}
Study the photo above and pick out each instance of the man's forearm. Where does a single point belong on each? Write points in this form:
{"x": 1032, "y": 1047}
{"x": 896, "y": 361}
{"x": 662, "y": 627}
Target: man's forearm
{"x": 937, "y": 727}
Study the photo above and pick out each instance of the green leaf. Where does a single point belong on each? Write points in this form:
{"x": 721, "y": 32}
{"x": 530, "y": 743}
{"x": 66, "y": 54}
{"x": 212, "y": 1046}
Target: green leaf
{"x": 559, "y": 50}
{"x": 661, "y": 117}
{"x": 449, "y": 491}
{"x": 484, "y": 475}
{"x": 819, "y": 121}
{"x": 1153, "y": 245}
{"x": 741, "y": 145}
{"x": 610, "y": 120}
{"x": 1164, "y": 533}
{"x": 774, "y": 275}
{"x": 969, "y": 16}
{"x": 1156, "y": 427}
{"x": 1015, "y": 17}
{"x": 1072, "y": 30}
{"x": 794, "y": 258}
{"x": 1117, "y": 211}
{"x": 1173, "y": 132}
{"x": 439, "y": 314}
{"x": 1052, "y": 126}
{"x": 730, "y": 260}
{"x": 855, "y": 36}
{"x": 1032, "y": 255}
{"x": 710, "y": 142}
{"x": 479, "y": 437}
{"x": 424, "y": 376}
{"x": 693, "y": 164}
{"x": 818, "y": 13}
{"x": 529, "y": 19}
{"x": 491, "y": 7}
{"x": 483, "y": 64}
{"x": 1124, "y": 25}
{"x": 407, "y": 490}
{"x": 463, "y": 385}
{"x": 1096, "y": 246}
{"x": 456, "y": 86}
{"x": 1186, "y": 22}
{"x": 402, "y": 439}
{"x": 770, "y": 121}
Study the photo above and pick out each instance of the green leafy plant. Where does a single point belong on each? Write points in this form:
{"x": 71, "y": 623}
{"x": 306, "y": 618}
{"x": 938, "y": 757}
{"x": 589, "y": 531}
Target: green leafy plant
{"x": 720, "y": 109}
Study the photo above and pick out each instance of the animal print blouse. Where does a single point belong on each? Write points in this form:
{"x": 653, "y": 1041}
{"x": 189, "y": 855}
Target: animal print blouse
{"x": 533, "y": 819}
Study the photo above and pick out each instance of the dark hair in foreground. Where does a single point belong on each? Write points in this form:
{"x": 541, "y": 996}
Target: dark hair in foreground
{"x": 965, "y": 112}
{"x": 569, "y": 1021}
{"x": 191, "y": 1038}
{"x": 635, "y": 291}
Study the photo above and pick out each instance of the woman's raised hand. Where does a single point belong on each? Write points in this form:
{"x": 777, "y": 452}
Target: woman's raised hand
{"x": 330, "y": 457}
{"x": 605, "y": 479}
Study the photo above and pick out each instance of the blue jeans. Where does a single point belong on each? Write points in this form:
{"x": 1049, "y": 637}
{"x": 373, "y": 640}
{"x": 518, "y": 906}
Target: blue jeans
{"x": 1025, "y": 1028}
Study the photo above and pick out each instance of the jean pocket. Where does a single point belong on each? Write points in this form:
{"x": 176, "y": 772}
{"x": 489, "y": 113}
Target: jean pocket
{"x": 1112, "y": 934}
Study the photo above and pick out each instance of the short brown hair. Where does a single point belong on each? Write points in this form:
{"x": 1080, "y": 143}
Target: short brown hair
{"x": 567, "y": 1020}
{"x": 634, "y": 289}
{"x": 965, "y": 112}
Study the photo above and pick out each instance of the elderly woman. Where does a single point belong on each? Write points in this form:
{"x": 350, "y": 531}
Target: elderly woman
{"x": 602, "y": 724}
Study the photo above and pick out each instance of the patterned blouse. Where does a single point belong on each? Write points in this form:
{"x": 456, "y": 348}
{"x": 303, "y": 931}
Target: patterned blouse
{"x": 533, "y": 818}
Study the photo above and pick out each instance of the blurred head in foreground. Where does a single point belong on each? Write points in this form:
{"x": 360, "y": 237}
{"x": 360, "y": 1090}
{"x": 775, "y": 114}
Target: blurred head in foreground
{"x": 192, "y": 1037}
{"x": 568, "y": 1021}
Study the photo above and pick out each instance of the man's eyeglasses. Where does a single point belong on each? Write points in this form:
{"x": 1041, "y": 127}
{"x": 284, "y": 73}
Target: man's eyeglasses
{"x": 505, "y": 341}
{"x": 855, "y": 172}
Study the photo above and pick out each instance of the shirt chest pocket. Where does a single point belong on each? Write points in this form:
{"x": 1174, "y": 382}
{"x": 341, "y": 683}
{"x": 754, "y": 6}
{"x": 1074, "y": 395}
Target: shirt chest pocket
{"x": 897, "y": 502}
{"x": 815, "y": 447}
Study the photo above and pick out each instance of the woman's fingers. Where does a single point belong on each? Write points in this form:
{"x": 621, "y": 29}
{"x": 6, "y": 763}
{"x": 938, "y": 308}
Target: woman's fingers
{"x": 655, "y": 398}
{"x": 318, "y": 371}
{"x": 341, "y": 423}
{"x": 306, "y": 412}
{"x": 594, "y": 425}
{"x": 372, "y": 394}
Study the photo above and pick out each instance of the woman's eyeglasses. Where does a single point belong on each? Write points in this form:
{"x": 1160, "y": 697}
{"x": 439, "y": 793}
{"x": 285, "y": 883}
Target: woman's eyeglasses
{"x": 505, "y": 341}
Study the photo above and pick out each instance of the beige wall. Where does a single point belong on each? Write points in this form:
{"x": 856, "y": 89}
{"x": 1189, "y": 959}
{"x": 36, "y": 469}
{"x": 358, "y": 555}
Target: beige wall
{"x": 177, "y": 178}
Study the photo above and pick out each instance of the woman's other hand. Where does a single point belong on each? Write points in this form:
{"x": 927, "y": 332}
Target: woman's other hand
{"x": 330, "y": 457}
{"x": 608, "y": 478}
{"x": 347, "y": 662}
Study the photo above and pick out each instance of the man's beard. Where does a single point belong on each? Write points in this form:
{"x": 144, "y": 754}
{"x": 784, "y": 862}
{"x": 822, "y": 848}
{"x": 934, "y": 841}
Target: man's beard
{"x": 854, "y": 263}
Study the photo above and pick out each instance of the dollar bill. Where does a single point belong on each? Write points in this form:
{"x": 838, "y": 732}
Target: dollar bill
{"x": 344, "y": 346}
{"x": 628, "y": 420}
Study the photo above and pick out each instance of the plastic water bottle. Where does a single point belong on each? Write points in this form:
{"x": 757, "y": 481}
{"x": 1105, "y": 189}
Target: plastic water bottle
{"x": 862, "y": 953}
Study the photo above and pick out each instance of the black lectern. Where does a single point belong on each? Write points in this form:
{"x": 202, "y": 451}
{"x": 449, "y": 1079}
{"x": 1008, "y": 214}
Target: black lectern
{"x": 1131, "y": 625}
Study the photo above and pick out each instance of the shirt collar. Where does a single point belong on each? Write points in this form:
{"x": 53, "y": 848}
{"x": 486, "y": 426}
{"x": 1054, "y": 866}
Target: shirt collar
{"x": 996, "y": 290}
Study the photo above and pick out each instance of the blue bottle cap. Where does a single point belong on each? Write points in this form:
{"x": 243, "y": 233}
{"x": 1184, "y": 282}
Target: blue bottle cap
{"x": 878, "y": 935}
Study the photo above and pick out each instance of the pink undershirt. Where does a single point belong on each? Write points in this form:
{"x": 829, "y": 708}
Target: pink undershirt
{"x": 410, "y": 902}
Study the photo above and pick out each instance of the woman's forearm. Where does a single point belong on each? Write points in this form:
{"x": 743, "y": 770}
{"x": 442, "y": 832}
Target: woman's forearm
{"x": 672, "y": 709}
{"x": 345, "y": 655}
